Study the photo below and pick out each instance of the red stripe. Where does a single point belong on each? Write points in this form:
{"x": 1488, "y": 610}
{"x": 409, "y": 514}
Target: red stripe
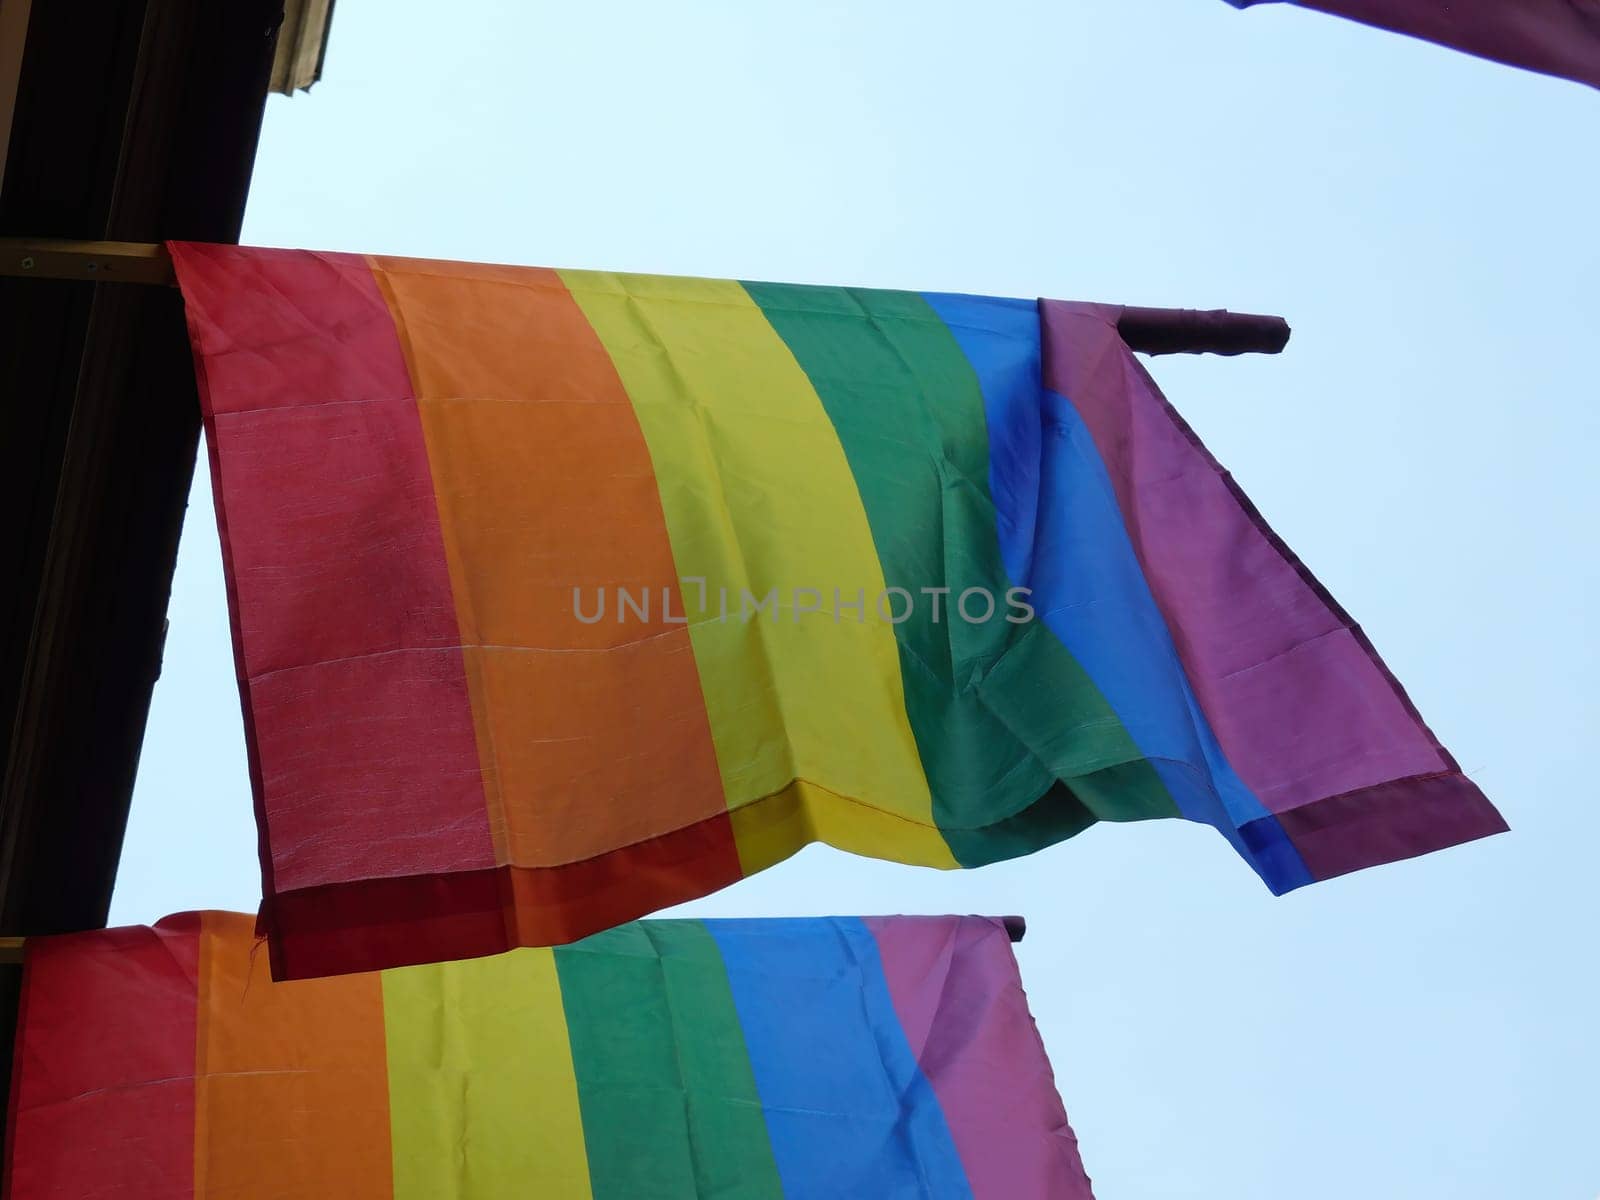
{"x": 103, "y": 1099}
{"x": 322, "y": 488}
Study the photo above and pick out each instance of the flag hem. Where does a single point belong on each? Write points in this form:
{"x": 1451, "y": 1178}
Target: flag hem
{"x": 377, "y": 924}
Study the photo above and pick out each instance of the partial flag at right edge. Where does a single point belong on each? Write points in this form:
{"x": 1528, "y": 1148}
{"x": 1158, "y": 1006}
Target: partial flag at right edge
{"x": 1554, "y": 37}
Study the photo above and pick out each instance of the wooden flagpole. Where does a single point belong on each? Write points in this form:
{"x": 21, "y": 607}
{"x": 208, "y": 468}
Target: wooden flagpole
{"x": 1147, "y": 330}
{"x": 94, "y": 262}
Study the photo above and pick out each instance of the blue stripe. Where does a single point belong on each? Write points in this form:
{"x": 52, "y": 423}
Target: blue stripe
{"x": 848, "y": 1110}
{"x": 1062, "y": 535}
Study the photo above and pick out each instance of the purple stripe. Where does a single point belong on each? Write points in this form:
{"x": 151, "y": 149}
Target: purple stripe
{"x": 956, "y": 991}
{"x": 1389, "y": 822}
{"x": 1304, "y": 708}
{"x": 1557, "y": 37}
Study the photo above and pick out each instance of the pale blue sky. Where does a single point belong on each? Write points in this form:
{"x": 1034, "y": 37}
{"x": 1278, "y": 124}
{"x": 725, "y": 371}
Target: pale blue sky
{"x": 1426, "y": 221}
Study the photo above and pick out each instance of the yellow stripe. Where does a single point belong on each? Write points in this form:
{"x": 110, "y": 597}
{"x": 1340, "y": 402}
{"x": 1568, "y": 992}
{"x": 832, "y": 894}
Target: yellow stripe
{"x": 482, "y": 1098}
{"x": 758, "y": 496}
{"x": 770, "y": 830}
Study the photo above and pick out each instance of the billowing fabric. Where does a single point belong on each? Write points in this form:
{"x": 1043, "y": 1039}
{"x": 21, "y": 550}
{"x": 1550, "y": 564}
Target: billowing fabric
{"x": 1555, "y": 37}
{"x": 664, "y": 1060}
{"x": 560, "y": 597}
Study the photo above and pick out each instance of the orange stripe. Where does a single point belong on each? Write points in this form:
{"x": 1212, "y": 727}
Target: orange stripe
{"x": 291, "y": 1088}
{"x": 595, "y": 736}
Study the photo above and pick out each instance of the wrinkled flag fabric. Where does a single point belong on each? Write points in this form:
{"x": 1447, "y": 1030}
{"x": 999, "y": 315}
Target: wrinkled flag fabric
{"x": 670, "y": 1059}
{"x": 560, "y": 597}
{"x": 1554, "y": 37}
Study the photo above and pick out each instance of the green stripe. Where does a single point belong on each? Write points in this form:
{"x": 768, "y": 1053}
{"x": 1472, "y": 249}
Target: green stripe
{"x": 669, "y": 1103}
{"x": 1019, "y": 745}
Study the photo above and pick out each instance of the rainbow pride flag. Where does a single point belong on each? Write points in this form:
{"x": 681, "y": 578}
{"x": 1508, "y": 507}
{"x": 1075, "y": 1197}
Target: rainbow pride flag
{"x": 1555, "y": 37}
{"x": 664, "y": 1060}
{"x": 560, "y": 597}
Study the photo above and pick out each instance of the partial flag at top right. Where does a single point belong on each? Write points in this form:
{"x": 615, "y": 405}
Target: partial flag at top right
{"x": 1556, "y": 37}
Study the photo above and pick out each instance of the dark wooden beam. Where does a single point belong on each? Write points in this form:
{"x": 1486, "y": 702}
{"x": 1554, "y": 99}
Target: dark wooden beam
{"x": 136, "y": 122}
